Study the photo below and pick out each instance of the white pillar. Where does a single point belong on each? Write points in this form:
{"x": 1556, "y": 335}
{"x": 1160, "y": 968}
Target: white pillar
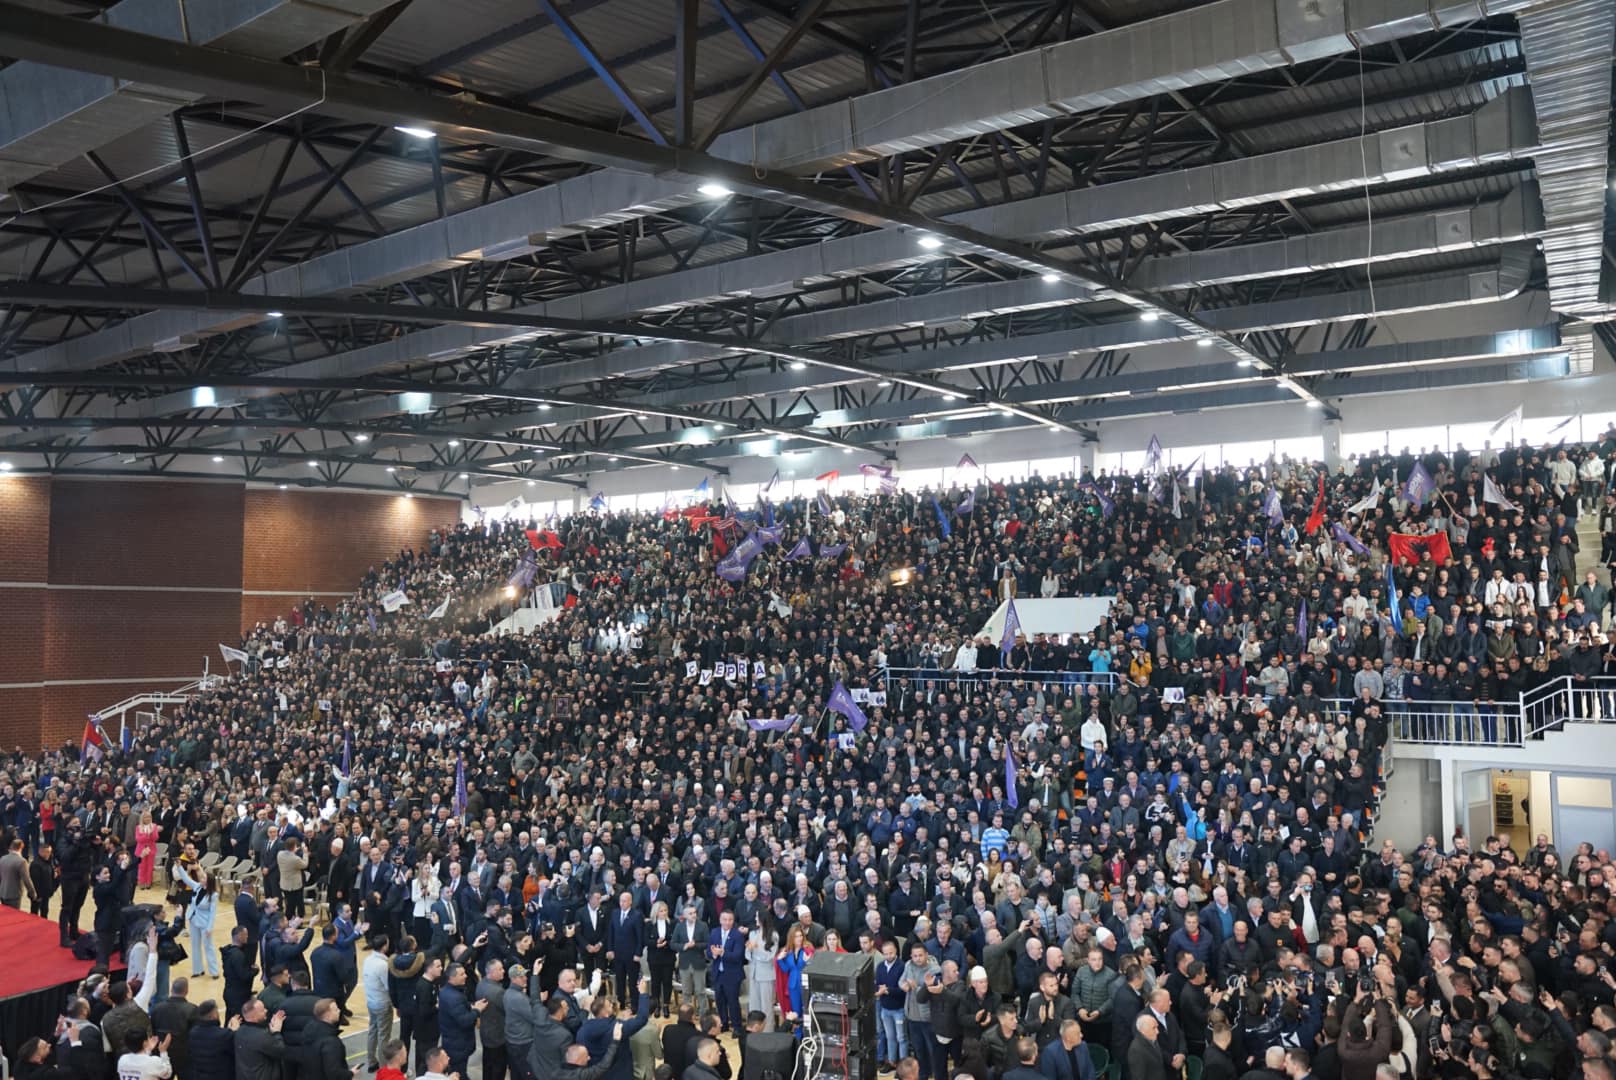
{"x": 1450, "y": 799}
{"x": 1332, "y": 444}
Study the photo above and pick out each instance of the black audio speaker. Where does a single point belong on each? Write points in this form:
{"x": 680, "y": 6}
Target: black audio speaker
{"x": 770, "y": 1055}
{"x": 837, "y": 1059}
{"x": 847, "y": 975}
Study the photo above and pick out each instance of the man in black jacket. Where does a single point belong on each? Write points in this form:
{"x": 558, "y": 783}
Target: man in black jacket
{"x": 77, "y": 859}
{"x": 108, "y": 903}
{"x": 323, "y": 1055}
{"x": 173, "y": 1016}
{"x": 678, "y": 1037}
{"x": 260, "y": 1049}
{"x": 298, "y": 1008}
{"x": 236, "y": 961}
{"x": 213, "y": 1046}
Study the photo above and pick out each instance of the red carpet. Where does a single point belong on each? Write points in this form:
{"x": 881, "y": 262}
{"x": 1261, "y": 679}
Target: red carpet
{"x": 33, "y": 960}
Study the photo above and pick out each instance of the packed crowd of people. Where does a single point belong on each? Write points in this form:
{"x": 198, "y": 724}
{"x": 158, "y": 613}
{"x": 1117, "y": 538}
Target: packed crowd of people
{"x": 1144, "y": 847}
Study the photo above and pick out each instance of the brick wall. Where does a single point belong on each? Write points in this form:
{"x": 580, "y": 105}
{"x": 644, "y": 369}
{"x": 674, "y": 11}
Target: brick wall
{"x": 109, "y": 588}
{"x": 301, "y": 543}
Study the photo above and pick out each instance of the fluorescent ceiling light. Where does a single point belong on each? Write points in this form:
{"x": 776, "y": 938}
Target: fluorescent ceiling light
{"x": 847, "y": 449}
{"x": 1204, "y": 342}
{"x": 275, "y": 314}
{"x": 930, "y": 242}
{"x": 1051, "y": 277}
{"x": 1149, "y": 316}
{"x": 798, "y": 365}
{"x": 544, "y": 406}
{"x": 611, "y": 459}
{"x": 415, "y": 132}
{"x": 217, "y": 459}
{"x": 465, "y": 476}
{"x": 361, "y": 437}
{"x": 454, "y": 442}
{"x": 530, "y": 483}
{"x": 203, "y": 397}
{"x": 1315, "y": 404}
{"x": 712, "y": 189}
{"x": 391, "y": 469}
{"x": 314, "y": 464}
{"x": 281, "y": 486}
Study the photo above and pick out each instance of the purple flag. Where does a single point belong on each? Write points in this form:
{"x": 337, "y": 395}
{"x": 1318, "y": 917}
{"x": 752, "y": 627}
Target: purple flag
{"x": 734, "y": 573}
{"x": 876, "y": 470}
{"x": 966, "y": 461}
{"x": 889, "y": 484}
{"x": 1271, "y": 507}
{"x": 770, "y": 534}
{"x": 842, "y": 702}
{"x": 832, "y": 551}
{"x": 801, "y": 551}
{"x": 1012, "y": 627}
{"x": 460, "y": 787}
{"x": 1153, "y": 455}
{"x": 967, "y": 505}
{"x": 1107, "y": 506}
{"x": 1420, "y": 485}
{"x": 784, "y": 724}
{"x": 1301, "y": 622}
{"x": 1339, "y": 533}
{"x": 347, "y": 753}
{"x": 1010, "y": 795}
{"x": 370, "y": 616}
{"x": 824, "y": 506}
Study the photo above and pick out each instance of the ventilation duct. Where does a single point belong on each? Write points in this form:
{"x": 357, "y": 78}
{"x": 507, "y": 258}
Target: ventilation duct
{"x": 1568, "y": 48}
{"x": 1228, "y": 39}
{"x": 50, "y": 115}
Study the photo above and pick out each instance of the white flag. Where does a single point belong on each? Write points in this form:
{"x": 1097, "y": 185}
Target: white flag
{"x": 1368, "y": 502}
{"x": 394, "y": 600}
{"x": 230, "y": 654}
{"x": 1509, "y": 419}
{"x": 1492, "y": 493}
{"x": 285, "y": 662}
{"x": 441, "y": 610}
{"x": 1178, "y": 510}
{"x": 778, "y": 605}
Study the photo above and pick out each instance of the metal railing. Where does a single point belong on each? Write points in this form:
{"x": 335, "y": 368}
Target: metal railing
{"x": 1501, "y": 724}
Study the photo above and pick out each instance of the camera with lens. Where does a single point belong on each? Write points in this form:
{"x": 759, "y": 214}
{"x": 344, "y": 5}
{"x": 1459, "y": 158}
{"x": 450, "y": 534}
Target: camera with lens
{"x": 1366, "y": 980}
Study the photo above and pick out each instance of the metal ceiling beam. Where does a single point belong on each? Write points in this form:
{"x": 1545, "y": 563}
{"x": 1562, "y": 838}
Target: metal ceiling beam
{"x": 31, "y": 34}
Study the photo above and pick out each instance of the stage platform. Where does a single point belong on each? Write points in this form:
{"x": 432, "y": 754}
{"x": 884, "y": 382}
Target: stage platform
{"x": 36, "y": 976}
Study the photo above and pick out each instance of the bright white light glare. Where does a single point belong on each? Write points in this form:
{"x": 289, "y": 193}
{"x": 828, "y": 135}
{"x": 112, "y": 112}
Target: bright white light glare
{"x": 454, "y": 442}
{"x": 544, "y": 406}
{"x": 1243, "y": 363}
{"x": 465, "y": 476}
{"x": 798, "y": 365}
{"x": 951, "y": 397}
{"x": 275, "y": 314}
{"x": 1051, "y": 278}
{"x": 409, "y": 495}
{"x": 642, "y": 416}
{"x": 217, "y": 459}
{"x": 391, "y": 469}
{"x": 1312, "y": 404}
{"x": 675, "y": 468}
{"x": 712, "y": 189}
{"x": 203, "y": 397}
{"x": 1149, "y": 316}
{"x": 720, "y": 427}
{"x": 1056, "y": 428}
{"x": 847, "y": 449}
{"x": 415, "y": 401}
{"x": 530, "y": 483}
{"x": 314, "y": 464}
{"x": 415, "y": 132}
{"x": 930, "y": 242}
{"x": 6, "y": 466}
{"x": 611, "y": 459}
{"x": 1205, "y": 342}
{"x": 884, "y": 382}
{"x": 281, "y": 486}
{"x": 361, "y": 437}
{"x": 510, "y": 591}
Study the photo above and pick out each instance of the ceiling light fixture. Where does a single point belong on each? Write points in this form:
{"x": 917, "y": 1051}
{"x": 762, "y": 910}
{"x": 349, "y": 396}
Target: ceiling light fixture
{"x": 884, "y": 382}
{"x": 847, "y": 449}
{"x": 930, "y": 242}
{"x": 415, "y": 132}
{"x": 611, "y": 459}
{"x": 361, "y": 437}
{"x": 6, "y": 466}
{"x": 712, "y": 189}
{"x": 465, "y": 476}
{"x": 1314, "y": 403}
{"x": 798, "y": 365}
{"x": 391, "y": 469}
{"x": 275, "y": 314}
{"x": 530, "y": 483}
{"x": 1243, "y": 362}
{"x": 1051, "y": 277}
{"x": 409, "y": 495}
{"x": 454, "y": 442}
{"x": 217, "y": 459}
{"x": 314, "y": 464}
{"x": 281, "y": 486}
{"x": 1149, "y": 316}
{"x": 1204, "y": 342}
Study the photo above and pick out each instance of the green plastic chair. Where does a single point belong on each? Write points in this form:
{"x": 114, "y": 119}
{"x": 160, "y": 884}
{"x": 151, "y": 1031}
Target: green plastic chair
{"x": 1101, "y": 1058}
{"x": 1192, "y": 1068}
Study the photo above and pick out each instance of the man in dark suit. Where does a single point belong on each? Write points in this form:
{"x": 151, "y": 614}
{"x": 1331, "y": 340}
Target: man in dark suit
{"x": 677, "y": 1038}
{"x": 593, "y": 924}
{"x": 727, "y": 947}
{"x": 1144, "y": 1053}
{"x": 625, "y": 941}
{"x": 329, "y": 965}
{"x": 1066, "y": 1058}
{"x": 1169, "y": 1033}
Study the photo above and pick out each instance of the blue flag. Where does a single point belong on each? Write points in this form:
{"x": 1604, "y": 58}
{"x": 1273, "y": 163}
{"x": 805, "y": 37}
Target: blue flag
{"x": 460, "y": 787}
{"x": 126, "y": 737}
{"x": 598, "y": 502}
{"x": 942, "y": 518}
{"x": 1010, "y": 795}
{"x": 1391, "y": 597}
{"x": 824, "y": 507}
{"x": 1012, "y": 627}
{"x": 841, "y": 701}
{"x": 704, "y": 488}
{"x": 370, "y": 616}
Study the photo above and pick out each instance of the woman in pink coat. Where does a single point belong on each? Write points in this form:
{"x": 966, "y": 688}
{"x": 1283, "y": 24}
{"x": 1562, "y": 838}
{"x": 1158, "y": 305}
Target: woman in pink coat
{"x": 145, "y": 849}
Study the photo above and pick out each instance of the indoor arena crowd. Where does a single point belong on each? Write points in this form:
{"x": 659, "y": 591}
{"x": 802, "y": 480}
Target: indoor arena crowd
{"x": 608, "y": 846}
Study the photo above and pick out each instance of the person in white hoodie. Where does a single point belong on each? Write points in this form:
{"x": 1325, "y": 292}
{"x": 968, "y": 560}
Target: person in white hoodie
{"x": 146, "y": 1058}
